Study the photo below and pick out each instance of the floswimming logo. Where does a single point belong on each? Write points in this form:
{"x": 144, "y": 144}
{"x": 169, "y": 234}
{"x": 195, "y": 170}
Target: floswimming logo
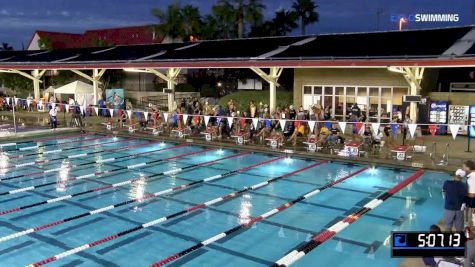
{"x": 425, "y": 17}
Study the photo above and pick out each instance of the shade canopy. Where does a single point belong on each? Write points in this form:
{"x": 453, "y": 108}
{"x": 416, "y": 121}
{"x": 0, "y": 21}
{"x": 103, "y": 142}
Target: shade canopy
{"x": 75, "y": 88}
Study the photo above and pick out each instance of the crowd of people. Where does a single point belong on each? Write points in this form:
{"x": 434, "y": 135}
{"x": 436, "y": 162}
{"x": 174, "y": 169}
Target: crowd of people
{"x": 296, "y": 126}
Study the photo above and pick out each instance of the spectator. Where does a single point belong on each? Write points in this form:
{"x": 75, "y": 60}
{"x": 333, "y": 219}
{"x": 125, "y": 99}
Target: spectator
{"x": 469, "y": 168}
{"x": 454, "y": 192}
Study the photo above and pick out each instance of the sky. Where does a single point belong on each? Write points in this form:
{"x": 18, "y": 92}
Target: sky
{"x": 19, "y": 19}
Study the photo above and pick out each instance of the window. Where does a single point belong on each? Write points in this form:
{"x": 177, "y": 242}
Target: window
{"x": 307, "y": 90}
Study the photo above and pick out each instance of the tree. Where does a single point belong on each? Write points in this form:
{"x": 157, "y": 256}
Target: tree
{"x": 233, "y": 15}
{"x": 225, "y": 18}
{"x": 178, "y": 22}
{"x": 44, "y": 43}
{"x": 19, "y": 84}
{"x": 6, "y": 47}
{"x": 305, "y": 11}
{"x": 283, "y": 22}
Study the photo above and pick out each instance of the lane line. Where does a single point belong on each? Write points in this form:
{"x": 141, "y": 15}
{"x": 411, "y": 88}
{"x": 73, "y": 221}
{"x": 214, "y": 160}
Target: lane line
{"x": 89, "y": 163}
{"x": 145, "y": 197}
{"x": 301, "y": 250}
{"x": 43, "y": 140}
{"x": 97, "y": 173}
{"x": 109, "y": 186}
{"x": 179, "y": 213}
{"x": 16, "y": 156}
{"x": 242, "y": 225}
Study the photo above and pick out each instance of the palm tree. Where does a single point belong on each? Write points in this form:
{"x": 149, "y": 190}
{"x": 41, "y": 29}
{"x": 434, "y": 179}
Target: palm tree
{"x": 6, "y": 47}
{"x": 171, "y": 21}
{"x": 191, "y": 19}
{"x": 240, "y": 12}
{"x": 284, "y": 22}
{"x": 225, "y": 18}
{"x": 305, "y": 10}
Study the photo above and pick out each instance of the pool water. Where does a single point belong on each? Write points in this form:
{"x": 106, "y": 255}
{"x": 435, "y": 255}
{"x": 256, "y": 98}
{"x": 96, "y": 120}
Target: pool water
{"x": 364, "y": 243}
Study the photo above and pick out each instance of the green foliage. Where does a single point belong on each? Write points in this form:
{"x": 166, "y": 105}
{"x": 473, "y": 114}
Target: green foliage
{"x": 184, "y": 87}
{"x": 6, "y": 47}
{"x": 113, "y": 78}
{"x": 244, "y": 97}
{"x": 178, "y": 22}
{"x": 45, "y": 43}
{"x": 208, "y": 91}
{"x": 305, "y": 10}
{"x": 19, "y": 84}
{"x": 62, "y": 78}
{"x": 283, "y": 22}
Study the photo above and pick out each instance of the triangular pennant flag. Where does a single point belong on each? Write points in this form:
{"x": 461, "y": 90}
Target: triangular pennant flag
{"x": 53, "y": 105}
{"x": 254, "y": 122}
{"x": 311, "y": 124}
{"x": 433, "y": 129}
{"x": 282, "y": 124}
{"x": 97, "y": 111}
{"x": 412, "y": 129}
{"x": 16, "y": 101}
{"x": 165, "y": 116}
{"x": 66, "y": 108}
{"x": 28, "y": 103}
{"x": 454, "y": 129}
{"x": 81, "y": 108}
{"x": 129, "y": 114}
{"x": 342, "y": 125}
{"x": 185, "y": 118}
{"x": 111, "y": 112}
{"x": 145, "y": 115}
{"x": 230, "y": 121}
{"x": 8, "y": 100}
{"x": 206, "y": 120}
{"x": 137, "y": 115}
{"x": 375, "y": 127}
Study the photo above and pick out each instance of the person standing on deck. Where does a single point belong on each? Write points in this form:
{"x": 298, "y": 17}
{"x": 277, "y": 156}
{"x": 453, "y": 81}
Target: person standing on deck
{"x": 469, "y": 169}
{"x": 454, "y": 192}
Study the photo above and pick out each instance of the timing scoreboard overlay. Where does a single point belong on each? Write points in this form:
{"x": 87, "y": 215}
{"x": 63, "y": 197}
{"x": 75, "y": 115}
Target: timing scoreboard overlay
{"x": 422, "y": 244}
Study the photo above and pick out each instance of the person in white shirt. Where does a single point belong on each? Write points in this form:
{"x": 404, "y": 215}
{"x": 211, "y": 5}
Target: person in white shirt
{"x": 53, "y": 112}
{"x": 469, "y": 171}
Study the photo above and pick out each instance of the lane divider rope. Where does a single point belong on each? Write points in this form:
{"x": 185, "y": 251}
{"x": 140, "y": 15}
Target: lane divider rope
{"x": 58, "y": 150}
{"x": 127, "y": 182}
{"x": 248, "y": 223}
{"x": 90, "y": 175}
{"x": 145, "y": 197}
{"x": 43, "y": 140}
{"x": 176, "y": 214}
{"x": 301, "y": 250}
{"x": 83, "y": 155}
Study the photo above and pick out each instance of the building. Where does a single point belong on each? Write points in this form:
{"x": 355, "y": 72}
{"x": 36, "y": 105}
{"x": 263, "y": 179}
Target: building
{"x": 373, "y": 69}
{"x": 133, "y": 35}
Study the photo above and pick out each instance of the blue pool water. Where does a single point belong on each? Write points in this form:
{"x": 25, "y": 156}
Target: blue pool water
{"x": 364, "y": 243}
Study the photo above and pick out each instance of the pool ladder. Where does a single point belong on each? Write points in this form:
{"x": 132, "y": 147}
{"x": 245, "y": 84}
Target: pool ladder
{"x": 445, "y": 157}
{"x": 433, "y": 152}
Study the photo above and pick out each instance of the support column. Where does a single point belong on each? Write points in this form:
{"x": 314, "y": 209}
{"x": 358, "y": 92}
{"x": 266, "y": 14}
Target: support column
{"x": 272, "y": 79}
{"x": 172, "y": 74}
{"x": 413, "y": 76}
{"x": 95, "y": 84}
{"x": 36, "y": 84}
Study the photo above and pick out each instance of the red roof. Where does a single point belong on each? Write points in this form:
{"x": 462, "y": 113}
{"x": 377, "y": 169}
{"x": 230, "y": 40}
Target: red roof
{"x": 102, "y": 37}
{"x": 61, "y": 40}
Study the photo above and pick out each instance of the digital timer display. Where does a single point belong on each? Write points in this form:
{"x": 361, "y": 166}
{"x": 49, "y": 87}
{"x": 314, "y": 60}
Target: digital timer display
{"x": 422, "y": 244}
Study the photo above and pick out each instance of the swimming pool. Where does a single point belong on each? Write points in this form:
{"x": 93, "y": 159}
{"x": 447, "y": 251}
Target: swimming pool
{"x": 91, "y": 200}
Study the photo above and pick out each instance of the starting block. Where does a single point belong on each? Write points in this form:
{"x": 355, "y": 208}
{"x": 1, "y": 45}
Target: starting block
{"x": 209, "y": 134}
{"x": 274, "y": 142}
{"x": 241, "y": 138}
{"x": 132, "y": 128}
{"x": 108, "y": 126}
{"x": 155, "y": 131}
{"x": 181, "y": 133}
{"x": 311, "y": 144}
